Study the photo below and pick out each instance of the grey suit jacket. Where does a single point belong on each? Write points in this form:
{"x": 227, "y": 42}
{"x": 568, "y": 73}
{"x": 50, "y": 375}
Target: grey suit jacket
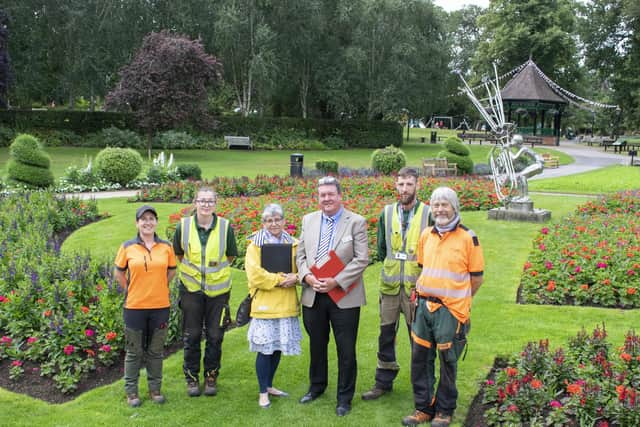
{"x": 349, "y": 243}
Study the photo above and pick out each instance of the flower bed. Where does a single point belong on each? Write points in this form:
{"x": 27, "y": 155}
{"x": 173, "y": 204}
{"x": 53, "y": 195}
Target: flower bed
{"x": 363, "y": 195}
{"x": 586, "y": 384}
{"x": 590, "y": 258}
{"x": 62, "y": 313}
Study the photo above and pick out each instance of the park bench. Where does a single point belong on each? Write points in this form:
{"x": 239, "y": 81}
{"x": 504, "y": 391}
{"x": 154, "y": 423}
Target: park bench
{"x": 238, "y": 141}
{"x": 533, "y": 140}
{"x": 550, "y": 161}
{"x": 477, "y": 136}
{"x": 439, "y": 167}
{"x": 618, "y": 145}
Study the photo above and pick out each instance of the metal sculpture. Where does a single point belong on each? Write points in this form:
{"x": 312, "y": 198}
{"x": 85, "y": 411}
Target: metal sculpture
{"x": 510, "y": 185}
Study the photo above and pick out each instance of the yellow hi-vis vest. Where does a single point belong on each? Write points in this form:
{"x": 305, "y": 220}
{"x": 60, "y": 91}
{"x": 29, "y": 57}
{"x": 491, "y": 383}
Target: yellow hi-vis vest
{"x": 207, "y": 271}
{"x": 400, "y": 266}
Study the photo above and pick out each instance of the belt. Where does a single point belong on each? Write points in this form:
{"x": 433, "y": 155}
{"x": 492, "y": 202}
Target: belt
{"x": 432, "y": 299}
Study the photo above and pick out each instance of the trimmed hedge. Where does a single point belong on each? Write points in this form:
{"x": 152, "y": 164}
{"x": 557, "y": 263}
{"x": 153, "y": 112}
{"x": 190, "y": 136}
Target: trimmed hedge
{"x": 81, "y": 122}
{"x": 30, "y": 175}
{"x": 118, "y": 165}
{"x": 388, "y": 160}
{"x": 26, "y": 149}
{"x": 327, "y": 166}
{"x": 465, "y": 164}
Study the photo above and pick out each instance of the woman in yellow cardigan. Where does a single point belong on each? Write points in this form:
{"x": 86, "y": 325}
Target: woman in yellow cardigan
{"x": 274, "y": 327}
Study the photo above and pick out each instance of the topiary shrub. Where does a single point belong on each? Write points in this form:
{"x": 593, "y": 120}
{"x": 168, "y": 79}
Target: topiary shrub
{"x": 465, "y": 164}
{"x": 327, "y": 166}
{"x": 114, "y": 137}
{"x": 29, "y": 164}
{"x": 189, "y": 171}
{"x": 454, "y": 145}
{"x": 118, "y": 165}
{"x": 388, "y": 160}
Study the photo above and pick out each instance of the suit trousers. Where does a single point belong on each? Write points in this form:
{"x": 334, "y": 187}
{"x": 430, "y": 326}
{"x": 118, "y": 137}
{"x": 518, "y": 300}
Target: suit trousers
{"x": 318, "y": 320}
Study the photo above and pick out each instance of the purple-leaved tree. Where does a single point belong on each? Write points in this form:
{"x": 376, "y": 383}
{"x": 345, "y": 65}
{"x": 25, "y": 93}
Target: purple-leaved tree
{"x": 165, "y": 85}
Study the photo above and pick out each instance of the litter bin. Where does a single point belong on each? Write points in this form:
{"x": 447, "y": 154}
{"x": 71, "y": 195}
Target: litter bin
{"x": 423, "y": 139}
{"x": 434, "y": 136}
{"x": 297, "y": 160}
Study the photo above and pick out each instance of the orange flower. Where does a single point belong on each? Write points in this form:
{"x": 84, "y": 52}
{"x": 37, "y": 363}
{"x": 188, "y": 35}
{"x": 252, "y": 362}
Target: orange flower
{"x": 606, "y": 282}
{"x": 551, "y": 286}
{"x": 40, "y": 300}
{"x": 536, "y": 384}
{"x": 110, "y": 336}
{"x": 70, "y": 294}
{"x": 90, "y": 352}
{"x": 47, "y": 313}
{"x": 512, "y": 372}
{"x": 534, "y": 273}
{"x": 626, "y": 357}
{"x": 84, "y": 309}
{"x": 584, "y": 287}
{"x": 631, "y": 291}
{"x": 574, "y": 389}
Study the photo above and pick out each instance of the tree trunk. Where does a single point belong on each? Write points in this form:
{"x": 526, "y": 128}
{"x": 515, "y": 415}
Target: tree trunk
{"x": 149, "y": 138}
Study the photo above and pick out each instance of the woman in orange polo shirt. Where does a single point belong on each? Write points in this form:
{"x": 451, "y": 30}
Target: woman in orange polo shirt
{"x": 145, "y": 265}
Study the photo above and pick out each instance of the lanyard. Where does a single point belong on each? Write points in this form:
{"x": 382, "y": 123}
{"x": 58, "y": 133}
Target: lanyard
{"x": 403, "y": 234}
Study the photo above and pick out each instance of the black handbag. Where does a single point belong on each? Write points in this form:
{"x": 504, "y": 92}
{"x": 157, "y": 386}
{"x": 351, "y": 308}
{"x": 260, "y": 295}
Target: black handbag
{"x": 243, "y": 315}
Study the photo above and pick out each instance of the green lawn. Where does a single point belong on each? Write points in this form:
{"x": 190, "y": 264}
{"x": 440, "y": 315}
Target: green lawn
{"x": 500, "y": 327}
{"x": 252, "y": 163}
{"x": 606, "y": 180}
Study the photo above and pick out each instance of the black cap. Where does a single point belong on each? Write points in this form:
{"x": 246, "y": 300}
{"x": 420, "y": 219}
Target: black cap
{"x": 145, "y": 208}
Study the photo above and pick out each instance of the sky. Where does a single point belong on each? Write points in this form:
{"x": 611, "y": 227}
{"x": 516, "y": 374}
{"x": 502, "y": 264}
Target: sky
{"x": 450, "y": 5}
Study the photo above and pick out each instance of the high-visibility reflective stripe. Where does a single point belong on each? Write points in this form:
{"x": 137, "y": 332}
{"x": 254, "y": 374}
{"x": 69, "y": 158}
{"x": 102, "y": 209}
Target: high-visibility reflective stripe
{"x": 444, "y": 274}
{"x": 391, "y": 366}
{"x": 443, "y": 292}
{"x": 222, "y": 244}
{"x": 186, "y": 231}
{"x": 421, "y": 341}
{"x": 211, "y": 288}
{"x": 388, "y": 216}
{"x": 220, "y": 266}
{"x": 394, "y": 278}
{"x": 444, "y": 346}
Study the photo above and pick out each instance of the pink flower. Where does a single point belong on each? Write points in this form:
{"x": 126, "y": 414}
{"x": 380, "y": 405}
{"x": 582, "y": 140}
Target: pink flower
{"x": 31, "y": 340}
{"x": 512, "y": 408}
{"x": 548, "y": 265}
{"x": 5, "y": 340}
{"x": 601, "y": 265}
{"x": 68, "y": 349}
{"x": 555, "y": 404}
{"x": 3, "y": 298}
{"x": 16, "y": 363}
{"x": 89, "y": 332}
{"x": 106, "y": 348}
{"x": 545, "y": 230}
{"x": 542, "y": 247}
{"x": 489, "y": 382}
{"x": 577, "y": 269}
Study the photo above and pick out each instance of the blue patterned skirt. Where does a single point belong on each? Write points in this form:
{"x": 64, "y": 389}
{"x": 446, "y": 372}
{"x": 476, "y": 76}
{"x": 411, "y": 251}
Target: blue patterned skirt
{"x": 269, "y": 335}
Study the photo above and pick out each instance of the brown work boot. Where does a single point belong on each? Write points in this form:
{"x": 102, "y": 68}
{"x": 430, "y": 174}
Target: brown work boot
{"x": 133, "y": 400}
{"x": 441, "y": 420}
{"x": 418, "y": 417}
{"x": 210, "y": 384}
{"x": 193, "y": 388}
{"x": 156, "y": 397}
{"x": 374, "y": 393}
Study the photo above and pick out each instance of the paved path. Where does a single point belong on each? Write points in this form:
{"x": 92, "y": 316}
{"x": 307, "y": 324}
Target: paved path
{"x": 586, "y": 159}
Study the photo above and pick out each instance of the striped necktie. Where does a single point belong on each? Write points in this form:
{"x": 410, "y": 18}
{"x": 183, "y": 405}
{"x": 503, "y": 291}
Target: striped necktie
{"x": 325, "y": 238}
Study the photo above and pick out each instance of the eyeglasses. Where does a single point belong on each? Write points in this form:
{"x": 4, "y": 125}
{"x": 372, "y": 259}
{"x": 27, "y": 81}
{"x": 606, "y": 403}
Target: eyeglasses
{"x": 273, "y": 220}
{"x": 327, "y": 180}
{"x": 205, "y": 202}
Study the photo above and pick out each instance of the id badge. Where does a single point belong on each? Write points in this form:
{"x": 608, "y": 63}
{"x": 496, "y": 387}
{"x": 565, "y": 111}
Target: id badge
{"x": 401, "y": 256}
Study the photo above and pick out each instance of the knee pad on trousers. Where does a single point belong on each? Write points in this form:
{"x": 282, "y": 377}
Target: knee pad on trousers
{"x": 191, "y": 337}
{"x": 156, "y": 342}
{"x": 134, "y": 341}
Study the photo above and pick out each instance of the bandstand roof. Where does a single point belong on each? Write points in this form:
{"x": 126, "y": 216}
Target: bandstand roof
{"x": 529, "y": 86}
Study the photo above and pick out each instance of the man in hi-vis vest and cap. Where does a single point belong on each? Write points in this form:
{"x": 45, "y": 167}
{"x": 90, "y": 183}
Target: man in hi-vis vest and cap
{"x": 205, "y": 245}
{"x": 399, "y": 229}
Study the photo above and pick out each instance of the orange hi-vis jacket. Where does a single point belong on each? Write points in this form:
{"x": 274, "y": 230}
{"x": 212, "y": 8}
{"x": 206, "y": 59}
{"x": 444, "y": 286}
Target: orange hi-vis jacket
{"x": 448, "y": 262}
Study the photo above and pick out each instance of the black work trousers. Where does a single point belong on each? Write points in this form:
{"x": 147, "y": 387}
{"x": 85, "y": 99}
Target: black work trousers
{"x": 200, "y": 310}
{"x": 318, "y": 320}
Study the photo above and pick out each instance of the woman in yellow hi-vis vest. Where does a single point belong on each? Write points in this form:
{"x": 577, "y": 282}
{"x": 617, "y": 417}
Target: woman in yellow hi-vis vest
{"x": 205, "y": 245}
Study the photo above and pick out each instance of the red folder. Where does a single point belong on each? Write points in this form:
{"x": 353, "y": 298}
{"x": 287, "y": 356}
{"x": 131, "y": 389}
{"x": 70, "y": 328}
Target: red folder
{"x": 330, "y": 268}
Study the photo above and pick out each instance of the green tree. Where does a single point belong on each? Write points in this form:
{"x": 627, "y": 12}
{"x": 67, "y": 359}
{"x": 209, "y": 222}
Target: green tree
{"x": 514, "y": 30}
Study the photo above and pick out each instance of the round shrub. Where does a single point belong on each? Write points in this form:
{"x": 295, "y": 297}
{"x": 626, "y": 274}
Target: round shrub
{"x": 465, "y": 164}
{"x": 118, "y": 165}
{"x": 327, "y": 166}
{"x": 26, "y": 149}
{"x": 388, "y": 160}
{"x": 32, "y": 176}
{"x": 189, "y": 171}
{"x": 114, "y": 137}
{"x": 454, "y": 145}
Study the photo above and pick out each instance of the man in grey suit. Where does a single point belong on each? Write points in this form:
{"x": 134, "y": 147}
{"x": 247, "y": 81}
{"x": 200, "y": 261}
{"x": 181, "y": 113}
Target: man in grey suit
{"x": 332, "y": 228}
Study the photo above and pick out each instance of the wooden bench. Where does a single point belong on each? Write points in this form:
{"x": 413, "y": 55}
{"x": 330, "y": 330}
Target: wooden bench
{"x": 533, "y": 140}
{"x": 238, "y": 141}
{"x": 439, "y": 167}
{"x": 550, "y": 161}
{"x": 471, "y": 136}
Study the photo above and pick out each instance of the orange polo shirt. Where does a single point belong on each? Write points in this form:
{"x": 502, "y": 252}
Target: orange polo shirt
{"x": 448, "y": 262}
{"x": 147, "y": 286}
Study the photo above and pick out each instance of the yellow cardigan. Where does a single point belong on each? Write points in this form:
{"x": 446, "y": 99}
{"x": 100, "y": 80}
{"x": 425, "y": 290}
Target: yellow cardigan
{"x": 270, "y": 302}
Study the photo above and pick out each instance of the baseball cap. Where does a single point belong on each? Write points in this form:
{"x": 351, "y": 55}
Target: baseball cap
{"x": 145, "y": 208}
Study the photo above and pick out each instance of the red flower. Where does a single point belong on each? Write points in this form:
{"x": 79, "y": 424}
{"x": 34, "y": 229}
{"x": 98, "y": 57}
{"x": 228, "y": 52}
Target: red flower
{"x": 527, "y": 265}
{"x": 106, "y": 348}
{"x": 16, "y": 363}
{"x": 512, "y": 372}
{"x": 626, "y": 357}
{"x": 6, "y": 340}
{"x": 90, "y": 352}
{"x": 631, "y": 291}
{"x": 84, "y": 309}
{"x": 68, "y": 349}
{"x": 584, "y": 287}
{"x": 551, "y": 286}
{"x": 512, "y": 408}
{"x": 110, "y": 336}
{"x": 47, "y": 313}
{"x": 574, "y": 389}
{"x": 31, "y": 340}
{"x": 536, "y": 384}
